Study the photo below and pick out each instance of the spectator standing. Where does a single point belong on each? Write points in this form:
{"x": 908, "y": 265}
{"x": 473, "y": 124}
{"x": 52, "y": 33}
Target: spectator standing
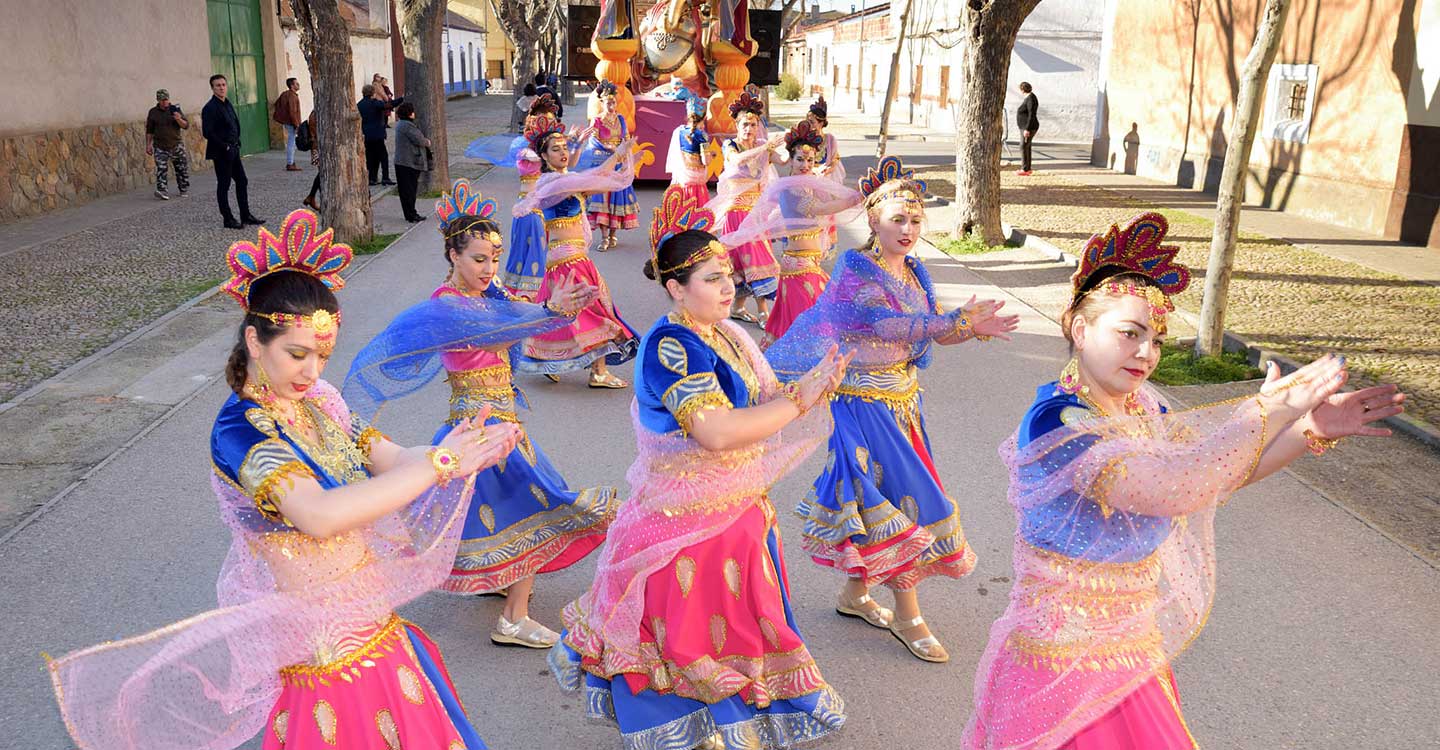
{"x": 543, "y": 87}
{"x": 164, "y": 142}
{"x": 287, "y": 113}
{"x": 314, "y": 162}
{"x": 221, "y": 127}
{"x": 374, "y": 111}
{"x": 410, "y": 161}
{"x": 1027, "y": 116}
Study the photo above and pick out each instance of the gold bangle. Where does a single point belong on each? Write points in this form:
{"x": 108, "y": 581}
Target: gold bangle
{"x": 791, "y": 391}
{"x": 963, "y": 329}
{"x": 1318, "y": 445}
{"x": 445, "y": 462}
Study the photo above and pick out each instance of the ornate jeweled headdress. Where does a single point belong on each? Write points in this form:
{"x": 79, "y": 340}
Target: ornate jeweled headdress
{"x": 464, "y": 200}
{"x": 606, "y": 88}
{"x": 300, "y": 247}
{"x": 543, "y": 104}
{"x": 1135, "y": 249}
{"x": 694, "y": 105}
{"x": 678, "y": 212}
{"x": 747, "y": 103}
{"x": 820, "y": 109}
{"x": 890, "y": 180}
{"x": 803, "y": 134}
{"x": 540, "y": 129}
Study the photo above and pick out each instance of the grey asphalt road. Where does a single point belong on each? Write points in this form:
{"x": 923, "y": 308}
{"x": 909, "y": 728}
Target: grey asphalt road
{"x": 1323, "y": 635}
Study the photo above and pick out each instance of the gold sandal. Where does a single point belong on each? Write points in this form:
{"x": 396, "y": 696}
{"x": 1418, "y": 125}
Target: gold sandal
{"x": 876, "y": 616}
{"x": 552, "y": 378}
{"x": 608, "y": 380}
{"x": 745, "y": 315}
{"x": 526, "y": 633}
{"x": 922, "y": 648}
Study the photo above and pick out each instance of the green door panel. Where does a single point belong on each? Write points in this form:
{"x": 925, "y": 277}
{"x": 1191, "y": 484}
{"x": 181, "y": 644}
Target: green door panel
{"x": 237, "y": 52}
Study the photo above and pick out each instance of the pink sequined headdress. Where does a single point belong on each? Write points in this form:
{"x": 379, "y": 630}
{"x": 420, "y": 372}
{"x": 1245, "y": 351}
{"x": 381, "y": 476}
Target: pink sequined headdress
{"x": 464, "y": 200}
{"x": 300, "y": 247}
{"x": 679, "y": 212}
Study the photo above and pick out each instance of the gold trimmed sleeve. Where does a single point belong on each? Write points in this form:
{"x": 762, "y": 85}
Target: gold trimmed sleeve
{"x": 692, "y": 406}
{"x": 268, "y": 472}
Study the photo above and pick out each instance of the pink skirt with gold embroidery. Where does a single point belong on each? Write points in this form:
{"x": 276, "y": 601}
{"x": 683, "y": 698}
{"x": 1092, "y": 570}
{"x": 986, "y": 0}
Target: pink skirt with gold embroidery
{"x": 390, "y": 690}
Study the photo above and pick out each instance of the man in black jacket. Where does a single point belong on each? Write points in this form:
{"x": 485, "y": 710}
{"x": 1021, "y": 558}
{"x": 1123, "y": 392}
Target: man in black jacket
{"x": 1028, "y": 118}
{"x": 374, "y": 111}
{"x": 221, "y": 127}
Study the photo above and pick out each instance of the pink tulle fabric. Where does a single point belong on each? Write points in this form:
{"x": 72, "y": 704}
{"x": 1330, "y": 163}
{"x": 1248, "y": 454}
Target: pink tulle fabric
{"x": 794, "y": 204}
{"x": 208, "y": 682}
{"x": 746, "y": 172}
{"x": 527, "y": 164}
{"x": 681, "y": 494}
{"x": 553, "y": 187}
{"x": 1082, "y": 634}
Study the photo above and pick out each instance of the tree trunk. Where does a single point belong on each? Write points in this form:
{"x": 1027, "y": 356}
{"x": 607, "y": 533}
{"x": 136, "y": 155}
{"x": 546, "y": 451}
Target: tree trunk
{"x": 1211, "y": 338}
{"x": 422, "y": 24}
{"x": 894, "y": 79}
{"x": 991, "y": 26}
{"x": 522, "y": 22}
{"x": 344, "y": 196}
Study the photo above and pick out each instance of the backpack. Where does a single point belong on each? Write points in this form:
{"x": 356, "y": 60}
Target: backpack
{"x": 303, "y": 141}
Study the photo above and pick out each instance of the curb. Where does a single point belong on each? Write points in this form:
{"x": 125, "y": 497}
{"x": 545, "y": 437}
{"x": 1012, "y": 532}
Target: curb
{"x": 1257, "y": 355}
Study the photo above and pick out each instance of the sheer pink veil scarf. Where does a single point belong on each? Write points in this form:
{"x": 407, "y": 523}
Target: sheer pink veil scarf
{"x": 681, "y": 494}
{"x": 836, "y": 171}
{"x": 208, "y": 682}
{"x": 1107, "y": 623}
{"x": 803, "y": 195}
{"x": 680, "y": 172}
{"x": 741, "y": 175}
{"x": 554, "y": 187}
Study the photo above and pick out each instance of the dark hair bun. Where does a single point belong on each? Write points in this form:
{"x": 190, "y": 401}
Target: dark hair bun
{"x": 650, "y": 272}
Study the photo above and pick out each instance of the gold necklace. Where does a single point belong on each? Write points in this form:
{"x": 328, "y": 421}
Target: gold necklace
{"x": 731, "y": 353}
{"x": 1132, "y": 404}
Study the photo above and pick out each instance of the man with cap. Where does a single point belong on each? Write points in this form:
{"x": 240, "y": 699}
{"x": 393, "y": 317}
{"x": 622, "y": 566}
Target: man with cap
{"x": 163, "y": 141}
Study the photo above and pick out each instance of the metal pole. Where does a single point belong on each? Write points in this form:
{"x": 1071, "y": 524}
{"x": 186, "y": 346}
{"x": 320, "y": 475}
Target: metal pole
{"x": 860, "y": 77}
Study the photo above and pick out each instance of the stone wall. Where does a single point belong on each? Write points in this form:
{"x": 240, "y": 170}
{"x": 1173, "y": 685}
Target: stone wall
{"x": 42, "y": 172}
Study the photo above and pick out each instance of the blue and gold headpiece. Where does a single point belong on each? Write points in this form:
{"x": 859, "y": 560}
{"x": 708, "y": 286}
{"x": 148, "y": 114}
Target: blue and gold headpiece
{"x": 890, "y": 180}
{"x": 678, "y": 212}
{"x": 464, "y": 200}
{"x": 1137, "y": 249}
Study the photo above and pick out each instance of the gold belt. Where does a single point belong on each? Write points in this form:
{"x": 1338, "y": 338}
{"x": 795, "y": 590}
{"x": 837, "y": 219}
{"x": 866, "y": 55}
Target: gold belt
{"x": 563, "y": 222}
{"x": 341, "y": 660}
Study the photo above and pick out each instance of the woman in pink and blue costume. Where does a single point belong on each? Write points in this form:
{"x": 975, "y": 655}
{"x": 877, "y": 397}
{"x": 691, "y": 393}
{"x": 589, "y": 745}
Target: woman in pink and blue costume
{"x": 878, "y": 512}
{"x": 616, "y": 209}
{"x": 598, "y": 337}
{"x": 687, "y": 638}
{"x": 333, "y": 527}
{"x": 796, "y": 211}
{"x": 686, "y": 162}
{"x": 748, "y": 170}
{"x": 1115, "y": 498}
{"x": 524, "y": 520}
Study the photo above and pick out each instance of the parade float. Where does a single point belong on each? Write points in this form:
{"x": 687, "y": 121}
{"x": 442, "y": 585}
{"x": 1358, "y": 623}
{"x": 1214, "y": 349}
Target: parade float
{"x": 679, "y": 49}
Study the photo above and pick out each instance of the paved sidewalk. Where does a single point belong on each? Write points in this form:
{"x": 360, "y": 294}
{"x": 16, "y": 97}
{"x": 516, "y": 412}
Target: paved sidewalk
{"x": 1387, "y": 256}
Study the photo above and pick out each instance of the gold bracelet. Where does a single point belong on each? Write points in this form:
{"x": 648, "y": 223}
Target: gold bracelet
{"x": 791, "y": 391}
{"x": 445, "y": 463}
{"x": 1318, "y": 445}
{"x": 963, "y": 327}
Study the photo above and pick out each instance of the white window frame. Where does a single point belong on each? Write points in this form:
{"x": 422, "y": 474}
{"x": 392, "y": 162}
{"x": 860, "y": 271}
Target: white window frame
{"x": 1279, "y": 126}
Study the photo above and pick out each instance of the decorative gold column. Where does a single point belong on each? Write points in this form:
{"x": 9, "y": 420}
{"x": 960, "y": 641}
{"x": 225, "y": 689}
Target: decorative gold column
{"x": 731, "y": 75}
{"x": 614, "y": 66}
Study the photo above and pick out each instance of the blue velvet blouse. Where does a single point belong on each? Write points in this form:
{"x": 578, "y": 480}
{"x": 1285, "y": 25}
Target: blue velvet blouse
{"x": 679, "y": 374}
{"x": 1081, "y": 529}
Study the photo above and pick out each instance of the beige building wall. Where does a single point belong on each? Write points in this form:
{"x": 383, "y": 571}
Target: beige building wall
{"x": 1172, "y": 77}
{"x": 96, "y": 62}
{"x": 370, "y": 54}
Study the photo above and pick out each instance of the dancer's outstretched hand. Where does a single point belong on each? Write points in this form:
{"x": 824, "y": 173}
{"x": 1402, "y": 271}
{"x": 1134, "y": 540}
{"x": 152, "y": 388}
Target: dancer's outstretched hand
{"x": 572, "y": 295}
{"x": 1293, "y": 396}
{"x": 825, "y": 376}
{"x": 1356, "y": 412}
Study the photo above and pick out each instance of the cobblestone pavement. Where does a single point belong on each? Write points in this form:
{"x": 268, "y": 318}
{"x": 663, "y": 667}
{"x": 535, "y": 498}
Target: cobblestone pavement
{"x": 1292, "y": 300}
{"x": 109, "y": 268}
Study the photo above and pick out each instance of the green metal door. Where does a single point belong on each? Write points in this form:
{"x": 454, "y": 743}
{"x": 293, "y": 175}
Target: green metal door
{"x": 237, "y": 52}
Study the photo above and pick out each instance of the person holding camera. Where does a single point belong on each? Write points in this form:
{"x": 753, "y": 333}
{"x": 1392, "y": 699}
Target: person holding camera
{"x": 163, "y": 141}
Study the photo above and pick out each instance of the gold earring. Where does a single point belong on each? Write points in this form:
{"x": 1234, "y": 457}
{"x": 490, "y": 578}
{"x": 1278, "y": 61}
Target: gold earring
{"x": 1070, "y": 378}
{"x": 264, "y": 394}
